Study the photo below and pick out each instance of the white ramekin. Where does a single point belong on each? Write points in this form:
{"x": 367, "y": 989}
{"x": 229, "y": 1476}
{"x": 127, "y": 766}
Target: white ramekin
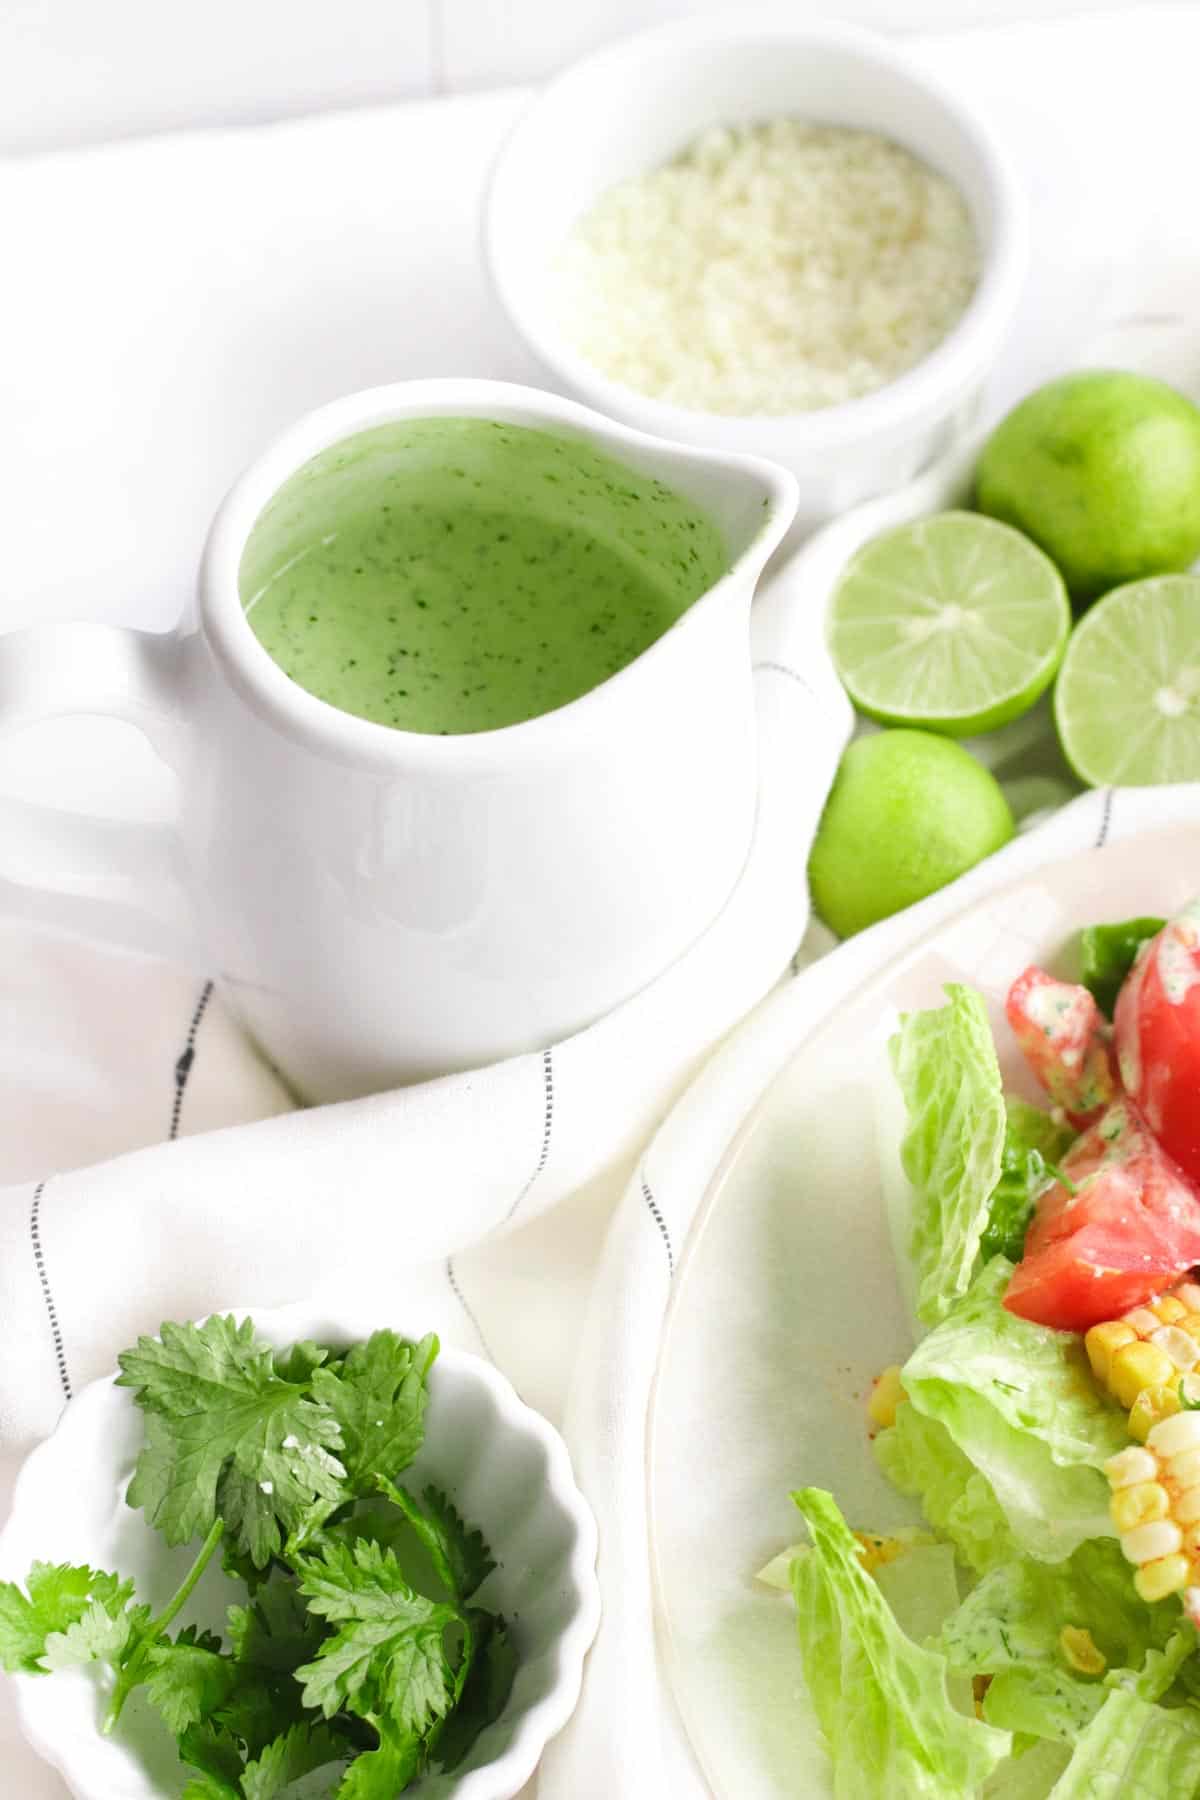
{"x": 632, "y": 106}
{"x": 506, "y": 1469}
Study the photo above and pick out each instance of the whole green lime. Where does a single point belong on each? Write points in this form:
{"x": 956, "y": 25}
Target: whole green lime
{"x": 907, "y": 812}
{"x": 1102, "y": 469}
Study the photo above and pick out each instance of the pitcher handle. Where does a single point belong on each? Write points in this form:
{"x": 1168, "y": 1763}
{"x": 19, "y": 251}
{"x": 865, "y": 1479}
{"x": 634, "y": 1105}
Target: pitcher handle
{"x": 787, "y": 638}
{"x": 99, "y": 878}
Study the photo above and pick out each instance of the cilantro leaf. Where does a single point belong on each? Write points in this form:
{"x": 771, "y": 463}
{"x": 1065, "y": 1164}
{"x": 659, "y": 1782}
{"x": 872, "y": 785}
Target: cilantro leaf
{"x": 269, "y": 1637}
{"x": 485, "y": 1691}
{"x": 383, "y": 1773}
{"x": 276, "y": 1630}
{"x": 389, "y": 1656}
{"x": 298, "y": 1361}
{"x": 1108, "y": 952}
{"x": 297, "y": 1752}
{"x": 1032, "y": 1142}
{"x": 99, "y": 1636}
{"x": 210, "y": 1787}
{"x": 378, "y": 1394}
{"x": 188, "y": 1681}
{"x": 59, "y": 1595}
{"x": 460, "y": 1556}
{"x": 227, "y": 1436}
{"x": 215, "y": 1753}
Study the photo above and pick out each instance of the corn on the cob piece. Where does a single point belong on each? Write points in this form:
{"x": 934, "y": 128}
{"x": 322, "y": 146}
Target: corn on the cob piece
{"x": 1141, "y": 1358}
{"x": 1155, "y": 1506}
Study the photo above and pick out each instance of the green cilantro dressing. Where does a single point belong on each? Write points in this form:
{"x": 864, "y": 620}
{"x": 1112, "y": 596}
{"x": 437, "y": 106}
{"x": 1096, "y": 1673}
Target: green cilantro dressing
{"x": 453, "y": 575}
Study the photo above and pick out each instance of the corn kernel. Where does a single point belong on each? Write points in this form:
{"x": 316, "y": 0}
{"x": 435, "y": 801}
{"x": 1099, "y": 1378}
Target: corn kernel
{"x": 1173, "y": 1436}
{"x": 1153, "y": 1405}
{"x": 886, "y": 1396}
{"x": 1169, "y": 1309}
{"x": 1129, "y": 1466}
{"x": 1184, "y": 1470}
{"x": 1138, "y": 1366}
{"x": 1081, "y": 1651}
{"x": 1142, "y": 1321}
{"x": 1191, "y": 1543}
{"x": 1178, "y": 1344}
{"x": 1190, "y": 1323}
{"x": 1150, "y": 1543}
{"x": 1188, "y": 1294}
{"x": 1102, "y": 1343}
{"x": 1138, "y": 1505}
{"x": 1158, "y": 1579}
{"x": 1186, "y": 1510}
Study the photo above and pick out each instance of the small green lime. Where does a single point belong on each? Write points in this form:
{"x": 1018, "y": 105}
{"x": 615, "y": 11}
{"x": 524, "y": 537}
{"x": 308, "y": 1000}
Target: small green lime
{"x": 1102, "y": 469}
{"x": 953, "y": 623}
{"x": 1127, "y": 704}
{"x": 908, "y": 812}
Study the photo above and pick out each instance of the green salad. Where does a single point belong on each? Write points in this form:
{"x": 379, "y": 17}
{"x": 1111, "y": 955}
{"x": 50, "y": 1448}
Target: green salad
{"x": 358, "y": 1649}
{"x": 1039, "y": 1638}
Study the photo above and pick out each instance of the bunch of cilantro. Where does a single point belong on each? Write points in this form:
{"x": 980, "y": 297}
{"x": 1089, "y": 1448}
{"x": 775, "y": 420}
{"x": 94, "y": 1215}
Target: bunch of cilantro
{"x": 358, "y": 1649}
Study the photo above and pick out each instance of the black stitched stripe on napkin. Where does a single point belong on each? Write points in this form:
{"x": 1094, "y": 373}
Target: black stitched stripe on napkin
{"x": 1106, "y": 818}
{"x": 183, "y": 1065}
{"x": 39, "y": 1258}
{"x": 452, "y": 1278}
{"x": 547, "y": 1127}
{"x": 656, "y": 1215}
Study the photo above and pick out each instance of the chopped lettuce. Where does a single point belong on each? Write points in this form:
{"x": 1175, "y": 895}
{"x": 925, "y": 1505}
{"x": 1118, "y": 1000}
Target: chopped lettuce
{"x": 1015, "y": 1615}
{"x": 1030, "y": 1775}
{"x": 880, "y": 1699}
{"x": 1106, "y": 955}
{"x": 1020, "y": 1404}
{"x": 1133, "y": 1749}
{"x": 945, "y": 1065}
{"x": 1010, "y": 1627}
{"x": 919, "y": 1457}
{"x": 1032, "y": 1142}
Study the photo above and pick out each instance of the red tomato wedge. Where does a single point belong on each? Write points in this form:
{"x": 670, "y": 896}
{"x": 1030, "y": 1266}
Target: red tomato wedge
{"x": 1066, "y": 1041}
{"x": 1130, "y": 1229}
{"x": 1158, "y": 1037}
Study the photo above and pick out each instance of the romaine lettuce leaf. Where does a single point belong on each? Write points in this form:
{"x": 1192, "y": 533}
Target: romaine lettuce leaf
{"x": 1133, "y": 1749}
{"x": 919, "y": 1457}
{"x": 1015, "y": 1615}
{"x": 1019, "y": 1402}
{"x": 1010, "y": 1627}
{"x": 880, "y": 1699}
{"x": 945, "y": 1065}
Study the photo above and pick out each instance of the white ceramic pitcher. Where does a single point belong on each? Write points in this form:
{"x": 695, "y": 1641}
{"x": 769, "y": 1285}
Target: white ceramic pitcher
{"x": 379, "y": 906}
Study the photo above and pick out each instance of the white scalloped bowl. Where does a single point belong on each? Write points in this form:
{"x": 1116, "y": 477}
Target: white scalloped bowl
{"x": 505, "y": 1467}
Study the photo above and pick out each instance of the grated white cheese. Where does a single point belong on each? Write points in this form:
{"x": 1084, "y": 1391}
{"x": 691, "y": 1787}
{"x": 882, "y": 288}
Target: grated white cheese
{"x": 771, "y": 268}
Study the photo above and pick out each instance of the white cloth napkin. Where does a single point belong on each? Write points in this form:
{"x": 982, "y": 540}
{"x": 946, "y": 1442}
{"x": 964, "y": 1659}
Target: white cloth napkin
{"x": 234, "y": 279}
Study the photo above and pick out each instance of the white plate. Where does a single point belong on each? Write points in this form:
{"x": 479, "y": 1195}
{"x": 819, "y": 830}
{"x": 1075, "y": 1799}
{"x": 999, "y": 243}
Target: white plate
{"x": 786, "y": 1306}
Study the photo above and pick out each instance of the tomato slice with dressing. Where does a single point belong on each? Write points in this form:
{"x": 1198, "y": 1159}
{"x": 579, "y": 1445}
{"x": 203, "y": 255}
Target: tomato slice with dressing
{"x": 1130, "y": 1229}
{"x": 1158, "y": 1037}
{"x": 1066, "y": 1041}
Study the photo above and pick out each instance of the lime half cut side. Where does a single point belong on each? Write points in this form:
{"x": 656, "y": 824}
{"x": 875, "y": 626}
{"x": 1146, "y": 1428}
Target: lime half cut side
{"x": 1127, "y": 703}
{"x": 954, "y": 623}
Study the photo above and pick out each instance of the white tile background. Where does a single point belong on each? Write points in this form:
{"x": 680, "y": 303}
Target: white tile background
{"x": 74, "y": 71}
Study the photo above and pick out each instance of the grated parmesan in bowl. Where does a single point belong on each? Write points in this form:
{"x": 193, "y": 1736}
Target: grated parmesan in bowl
{"x": 770, "y": 268}
{"x": 761, "y": 234}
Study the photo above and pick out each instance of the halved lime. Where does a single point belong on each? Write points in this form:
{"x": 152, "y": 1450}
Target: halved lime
{"x": 955, "y": 623}
{"x": 1127, "y": 705}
